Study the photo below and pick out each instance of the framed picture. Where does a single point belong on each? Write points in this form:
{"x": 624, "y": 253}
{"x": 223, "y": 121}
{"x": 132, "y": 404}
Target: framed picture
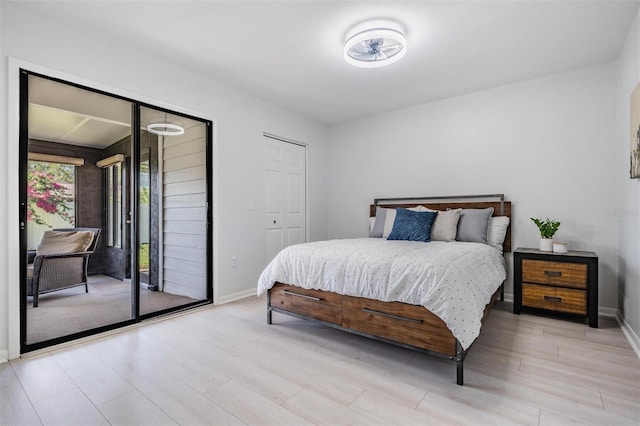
{"x": 635, "y": 133}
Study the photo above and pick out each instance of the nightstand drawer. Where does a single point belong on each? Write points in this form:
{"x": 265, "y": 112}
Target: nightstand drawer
{"x": 554, "y": 298}
{"x": 554, "y": 273}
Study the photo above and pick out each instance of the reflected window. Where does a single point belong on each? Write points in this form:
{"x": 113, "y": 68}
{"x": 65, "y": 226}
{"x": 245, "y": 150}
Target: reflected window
{"x": 51, "y": 189}
{"x": 144, "y": 212}
{"x": 114, "y": 205}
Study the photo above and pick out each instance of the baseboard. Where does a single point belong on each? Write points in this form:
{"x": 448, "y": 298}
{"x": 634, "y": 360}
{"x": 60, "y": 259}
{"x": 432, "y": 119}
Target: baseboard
{"x": 607, "y": 312}
{"x": 234, "y": 296}
{"x": 4, "y": 356}
{"x": 631, "y": 335}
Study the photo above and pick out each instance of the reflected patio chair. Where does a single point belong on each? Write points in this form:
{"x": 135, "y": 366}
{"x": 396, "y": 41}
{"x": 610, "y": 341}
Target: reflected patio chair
{"x": 60, "y": 261}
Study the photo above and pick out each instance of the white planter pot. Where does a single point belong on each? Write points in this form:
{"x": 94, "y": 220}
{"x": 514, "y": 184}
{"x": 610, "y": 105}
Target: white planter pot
{"x": 546, "y": 244}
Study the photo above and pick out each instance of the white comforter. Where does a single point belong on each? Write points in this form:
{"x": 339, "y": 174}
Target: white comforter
{"x": 453, "y": 280}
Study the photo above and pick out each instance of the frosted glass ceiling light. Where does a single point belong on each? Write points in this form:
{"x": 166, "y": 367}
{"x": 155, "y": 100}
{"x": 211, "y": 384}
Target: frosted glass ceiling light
{"x": 165, "y": 129}
{"x": 375, "y": 47}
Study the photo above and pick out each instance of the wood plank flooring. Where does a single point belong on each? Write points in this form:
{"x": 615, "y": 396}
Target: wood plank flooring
{"x": 225, "y": 365}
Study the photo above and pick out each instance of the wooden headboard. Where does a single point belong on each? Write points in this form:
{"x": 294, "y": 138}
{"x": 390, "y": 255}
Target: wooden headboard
{"x": 500, "y": 206}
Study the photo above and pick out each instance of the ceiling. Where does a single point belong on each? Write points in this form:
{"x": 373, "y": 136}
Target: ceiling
{"x": 290, "y": 52}
{"x": 66, "y": 114}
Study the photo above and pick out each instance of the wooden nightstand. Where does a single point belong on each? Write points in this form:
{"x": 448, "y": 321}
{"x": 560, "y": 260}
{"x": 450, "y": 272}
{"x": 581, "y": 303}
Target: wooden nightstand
{"x": 566, "y": 283}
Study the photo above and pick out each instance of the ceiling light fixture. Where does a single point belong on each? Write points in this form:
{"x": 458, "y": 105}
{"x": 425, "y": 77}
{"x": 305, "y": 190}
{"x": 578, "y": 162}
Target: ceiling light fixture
{"x": 165, "y": 129}
{"x": 375, "y": 48}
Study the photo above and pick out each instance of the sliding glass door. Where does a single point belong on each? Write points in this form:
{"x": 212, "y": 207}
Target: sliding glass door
{"x": 172, "y": 211}
{"x": 115, "y": 225}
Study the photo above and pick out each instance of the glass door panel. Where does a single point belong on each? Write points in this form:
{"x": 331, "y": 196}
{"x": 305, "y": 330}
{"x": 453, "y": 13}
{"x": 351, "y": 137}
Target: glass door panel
{"x": 172, "y": 211}
{"x": 77, "y": 145}
{"x": 141, "y": 198}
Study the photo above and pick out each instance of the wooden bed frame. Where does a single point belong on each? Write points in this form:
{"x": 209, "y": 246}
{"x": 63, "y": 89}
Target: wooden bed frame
{"x": 409, "y": 326}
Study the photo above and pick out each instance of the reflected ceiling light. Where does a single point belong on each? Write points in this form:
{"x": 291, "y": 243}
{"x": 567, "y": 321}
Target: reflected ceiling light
{"x": 165, "y": 129}
{"x": 375, "y": 47}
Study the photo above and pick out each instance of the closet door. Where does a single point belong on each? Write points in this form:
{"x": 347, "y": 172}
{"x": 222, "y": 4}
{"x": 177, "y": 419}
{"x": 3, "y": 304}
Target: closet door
{"x": 285, "y": 194}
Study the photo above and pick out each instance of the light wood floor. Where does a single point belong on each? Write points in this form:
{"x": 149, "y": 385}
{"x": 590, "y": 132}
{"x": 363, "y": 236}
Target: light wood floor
{"x": 224, "y": 365}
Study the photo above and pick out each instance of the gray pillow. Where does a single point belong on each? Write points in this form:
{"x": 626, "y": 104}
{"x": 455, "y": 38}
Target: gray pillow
{"x": 378, "y": 224}
{"x": 473, "y": 224}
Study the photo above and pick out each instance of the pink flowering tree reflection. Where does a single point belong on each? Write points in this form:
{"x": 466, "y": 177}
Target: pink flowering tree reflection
{"x": 46, "y": 193}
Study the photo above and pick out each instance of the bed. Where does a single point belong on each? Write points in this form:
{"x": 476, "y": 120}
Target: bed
{"x": 427, "y": 296}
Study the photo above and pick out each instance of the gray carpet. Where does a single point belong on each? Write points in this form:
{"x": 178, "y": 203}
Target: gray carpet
{"x": 72, "y": 310}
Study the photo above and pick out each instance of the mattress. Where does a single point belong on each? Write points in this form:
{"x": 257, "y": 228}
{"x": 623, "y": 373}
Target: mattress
{"x": 454, "y": 280}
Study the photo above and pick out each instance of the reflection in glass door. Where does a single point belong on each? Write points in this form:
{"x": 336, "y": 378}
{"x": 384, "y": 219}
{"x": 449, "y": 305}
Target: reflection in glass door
{"x": 76, "y": 143}
{"x": 115, "y": 225}
{"x": 172, "y": 211}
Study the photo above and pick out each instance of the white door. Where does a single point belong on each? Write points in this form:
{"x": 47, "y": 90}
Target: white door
{"x": 285, "y": 186}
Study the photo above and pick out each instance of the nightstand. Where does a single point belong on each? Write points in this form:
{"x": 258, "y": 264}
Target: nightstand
{"x": 559, "y": 282}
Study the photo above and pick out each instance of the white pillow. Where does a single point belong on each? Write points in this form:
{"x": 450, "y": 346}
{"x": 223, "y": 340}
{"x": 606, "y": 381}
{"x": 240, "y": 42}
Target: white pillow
{"x": 445, "y": 226}
{"x": 497, "y": 231}
{"x": 372, "y": 220}
{"x": 388, "y": 222}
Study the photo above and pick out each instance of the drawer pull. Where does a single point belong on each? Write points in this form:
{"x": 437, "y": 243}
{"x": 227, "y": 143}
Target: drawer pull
{"x": 304, "y": 296}
{"x": 553, "y": 299}
{"x": 553, "y": 273}
{"x": 398, "y": 317}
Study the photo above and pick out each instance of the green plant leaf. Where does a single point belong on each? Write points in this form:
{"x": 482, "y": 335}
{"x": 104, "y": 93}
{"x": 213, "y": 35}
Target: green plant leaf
{"x": 547, "y": 228}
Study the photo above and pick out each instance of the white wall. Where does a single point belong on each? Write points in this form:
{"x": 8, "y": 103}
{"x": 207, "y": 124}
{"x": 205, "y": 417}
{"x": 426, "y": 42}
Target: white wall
{"x": 627, "y": 207}
{"x": 4, "y": 292}
{"x": 544, "y": 143}
{"x": 240, "y": 121}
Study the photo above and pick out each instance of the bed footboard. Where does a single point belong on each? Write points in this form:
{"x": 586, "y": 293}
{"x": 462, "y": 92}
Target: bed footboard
{"x": 409, "y": 326}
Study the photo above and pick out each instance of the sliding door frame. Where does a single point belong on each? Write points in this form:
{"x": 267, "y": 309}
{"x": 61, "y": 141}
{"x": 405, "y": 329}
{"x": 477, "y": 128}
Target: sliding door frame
{"x": 208, "y": 211}
{"x": 133, "y": 200}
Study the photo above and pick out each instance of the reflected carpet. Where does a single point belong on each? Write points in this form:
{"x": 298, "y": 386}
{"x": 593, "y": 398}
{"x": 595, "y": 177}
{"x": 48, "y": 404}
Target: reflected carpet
{"x": 72, "y": 310}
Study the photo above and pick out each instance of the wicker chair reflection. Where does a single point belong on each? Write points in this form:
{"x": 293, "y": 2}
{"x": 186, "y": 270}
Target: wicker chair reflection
{"x": 61, "y": 261}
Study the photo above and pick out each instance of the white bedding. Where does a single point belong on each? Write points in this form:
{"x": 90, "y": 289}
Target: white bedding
{"x": 454, "y": 280}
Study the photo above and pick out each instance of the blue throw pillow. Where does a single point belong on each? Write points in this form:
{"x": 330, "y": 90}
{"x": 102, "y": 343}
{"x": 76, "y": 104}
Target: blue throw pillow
{"x": 412, "y": 226}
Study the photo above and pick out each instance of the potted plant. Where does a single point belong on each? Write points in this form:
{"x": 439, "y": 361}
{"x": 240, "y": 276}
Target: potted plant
{"x": 547, "y": 228}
